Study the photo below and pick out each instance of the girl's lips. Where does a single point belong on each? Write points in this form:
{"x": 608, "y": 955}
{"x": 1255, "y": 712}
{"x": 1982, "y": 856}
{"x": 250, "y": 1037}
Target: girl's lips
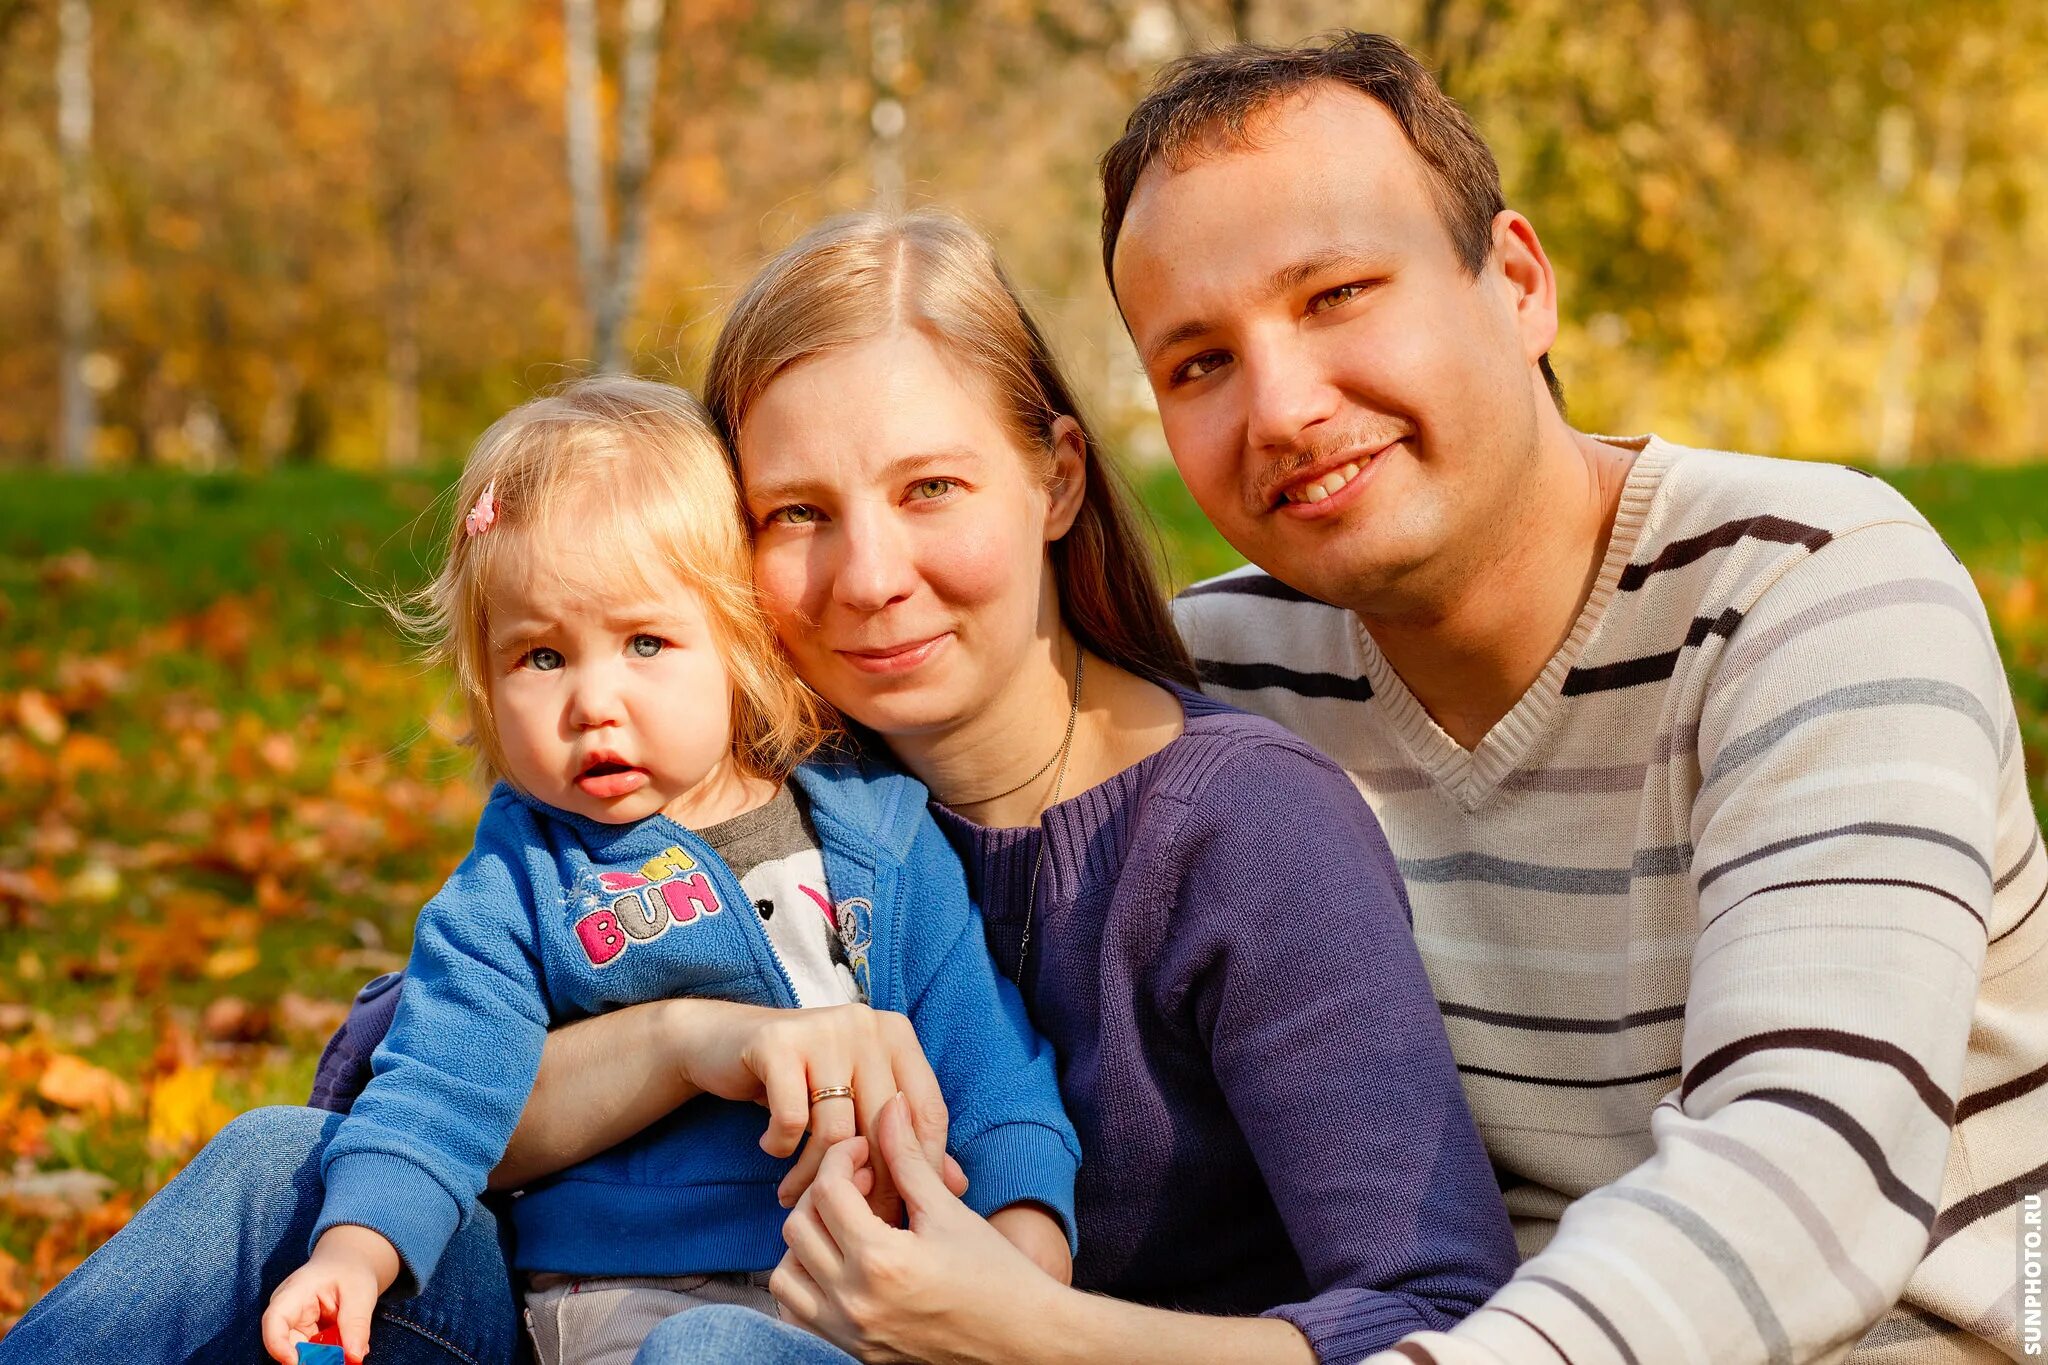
{"x": 605, "y": 786}
{"x": 898, "y": 659}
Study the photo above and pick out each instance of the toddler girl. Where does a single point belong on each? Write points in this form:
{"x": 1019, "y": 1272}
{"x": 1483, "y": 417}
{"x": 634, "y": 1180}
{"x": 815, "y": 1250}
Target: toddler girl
{"x": 653, "y": 833}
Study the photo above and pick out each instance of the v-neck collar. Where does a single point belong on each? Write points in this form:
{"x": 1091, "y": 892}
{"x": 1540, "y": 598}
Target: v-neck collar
{"x": 1470, "y": 776}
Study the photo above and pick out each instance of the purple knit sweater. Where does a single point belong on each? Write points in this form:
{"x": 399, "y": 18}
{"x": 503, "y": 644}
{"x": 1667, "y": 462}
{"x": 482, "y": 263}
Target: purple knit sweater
{"x": 1269, "y": 1115}
{"x": 1268, "y": 1109}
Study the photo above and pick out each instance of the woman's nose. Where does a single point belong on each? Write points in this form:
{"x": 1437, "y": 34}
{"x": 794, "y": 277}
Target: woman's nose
{"x": 877, "y": 563}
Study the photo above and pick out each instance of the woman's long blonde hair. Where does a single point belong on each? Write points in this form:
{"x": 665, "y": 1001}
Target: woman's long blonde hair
{"x": 634, "y": 468}
{"x": 858, "y": 277}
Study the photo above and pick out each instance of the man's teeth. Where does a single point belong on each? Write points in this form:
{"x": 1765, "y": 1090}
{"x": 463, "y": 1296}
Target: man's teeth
{"x": 1328, "y": 484}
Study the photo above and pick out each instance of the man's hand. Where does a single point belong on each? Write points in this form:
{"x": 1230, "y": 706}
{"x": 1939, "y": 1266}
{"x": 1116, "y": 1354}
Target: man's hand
{"x": 350, "y": 1267}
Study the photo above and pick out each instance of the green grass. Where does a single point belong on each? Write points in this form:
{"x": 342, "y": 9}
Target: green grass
{"x": 221, "y": 776}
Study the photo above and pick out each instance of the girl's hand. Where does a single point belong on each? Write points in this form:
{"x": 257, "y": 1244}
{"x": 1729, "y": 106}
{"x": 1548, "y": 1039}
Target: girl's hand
{"x": 779, "y": 1057}
{"x": 350, "y": 1267}
{"x": 948, "y": 1288}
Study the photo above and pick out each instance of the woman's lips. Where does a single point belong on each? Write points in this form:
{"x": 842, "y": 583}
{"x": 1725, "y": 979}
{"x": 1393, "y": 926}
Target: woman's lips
{"x": 895, "y": 658}
{"x": 607, "y": 785}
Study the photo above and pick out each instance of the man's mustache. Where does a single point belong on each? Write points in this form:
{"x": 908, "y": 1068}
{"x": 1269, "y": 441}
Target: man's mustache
{"x": 1324, "y": 452}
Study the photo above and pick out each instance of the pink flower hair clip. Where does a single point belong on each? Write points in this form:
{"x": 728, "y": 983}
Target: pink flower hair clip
{"x": 484, "y": 515}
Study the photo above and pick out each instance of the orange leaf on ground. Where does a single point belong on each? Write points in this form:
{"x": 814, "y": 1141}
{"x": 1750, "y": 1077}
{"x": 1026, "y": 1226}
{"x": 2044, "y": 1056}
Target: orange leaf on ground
{"x": 74, "y": 1083}
{"x": 82, "y": 753}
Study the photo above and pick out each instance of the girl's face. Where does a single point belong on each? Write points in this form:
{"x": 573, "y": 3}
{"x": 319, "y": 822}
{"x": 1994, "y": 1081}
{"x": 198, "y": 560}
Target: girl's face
{"x": 608, "y": 707}
{"x": 901, "y": 534}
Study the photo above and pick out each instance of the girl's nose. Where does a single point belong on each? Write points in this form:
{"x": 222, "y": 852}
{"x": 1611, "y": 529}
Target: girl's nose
{"x": 594, "y": 700}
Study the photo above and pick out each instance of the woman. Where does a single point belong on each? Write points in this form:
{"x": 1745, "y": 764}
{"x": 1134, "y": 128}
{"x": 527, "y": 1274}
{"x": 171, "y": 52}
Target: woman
{"x": 1201, "y": 912}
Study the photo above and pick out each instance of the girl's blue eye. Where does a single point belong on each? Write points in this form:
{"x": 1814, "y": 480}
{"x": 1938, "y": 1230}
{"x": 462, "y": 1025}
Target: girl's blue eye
{"x": 796, "y": 514}
{"x": 647, "y": 646}
{"x": 543, "y": 660}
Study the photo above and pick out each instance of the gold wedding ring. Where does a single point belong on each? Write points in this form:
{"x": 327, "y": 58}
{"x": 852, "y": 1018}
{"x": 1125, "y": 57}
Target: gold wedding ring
{"x": 831, "y": 1092}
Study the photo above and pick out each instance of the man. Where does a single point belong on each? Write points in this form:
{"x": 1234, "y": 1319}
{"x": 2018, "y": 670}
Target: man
{"x": 1702, "y": 768}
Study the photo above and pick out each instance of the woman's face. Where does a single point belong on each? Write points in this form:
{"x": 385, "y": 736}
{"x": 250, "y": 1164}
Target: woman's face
{"x": 901, "y": 534}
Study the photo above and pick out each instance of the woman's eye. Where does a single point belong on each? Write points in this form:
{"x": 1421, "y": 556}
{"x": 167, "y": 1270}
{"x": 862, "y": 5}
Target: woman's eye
{"x": 1330, "y": 298}
{"x": 797, "y": 514}
{"x": 928, "y": 489}
{"x": 1196, "y": 366}
{"x": 646, "y": 646}
{"x": 542, "y": 660}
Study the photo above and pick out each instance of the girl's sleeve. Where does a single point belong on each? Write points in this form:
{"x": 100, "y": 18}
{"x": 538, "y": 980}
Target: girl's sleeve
{"x": 454, "y": 1072}
{"x": 1292, "y": 950}
{"x": 1007, "y": 1126}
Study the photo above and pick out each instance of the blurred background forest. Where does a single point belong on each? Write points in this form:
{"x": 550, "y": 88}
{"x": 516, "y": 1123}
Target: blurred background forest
{"x": 267, "y": 266}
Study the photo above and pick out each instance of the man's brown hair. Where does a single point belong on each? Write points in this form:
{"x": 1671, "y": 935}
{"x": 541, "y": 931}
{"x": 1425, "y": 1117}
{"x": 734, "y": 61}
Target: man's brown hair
{"x": 1208, "y": 101}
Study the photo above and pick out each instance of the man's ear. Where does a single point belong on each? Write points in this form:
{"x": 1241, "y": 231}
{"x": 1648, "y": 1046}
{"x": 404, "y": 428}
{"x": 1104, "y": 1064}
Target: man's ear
{"x": 1532, "y": 284}
{"x": 1067, "y": 482}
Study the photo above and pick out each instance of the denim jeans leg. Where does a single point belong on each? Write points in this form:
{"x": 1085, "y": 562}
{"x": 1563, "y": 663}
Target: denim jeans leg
{"x": 742, "y": 1336}
{"x": 188, "y": 1278}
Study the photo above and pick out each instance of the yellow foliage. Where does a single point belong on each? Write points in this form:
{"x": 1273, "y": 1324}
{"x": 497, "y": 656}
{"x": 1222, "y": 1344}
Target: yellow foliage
{"x": 184, "y": 1111}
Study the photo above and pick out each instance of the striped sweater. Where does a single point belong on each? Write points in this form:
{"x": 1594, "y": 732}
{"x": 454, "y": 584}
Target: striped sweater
{"x": 1736, "y": 920}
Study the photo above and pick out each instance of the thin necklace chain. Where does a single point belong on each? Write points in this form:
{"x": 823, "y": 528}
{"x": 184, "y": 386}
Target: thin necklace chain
{"x": 1043, "y": 769}
{"x": 1059, "y": 780}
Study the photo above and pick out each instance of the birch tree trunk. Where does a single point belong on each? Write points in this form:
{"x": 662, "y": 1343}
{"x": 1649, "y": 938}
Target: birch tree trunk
{"x": 80, "y": 420}
{"x": 886, "y": 114}
{"x": 1898, "y": 378}
{"x": 640, "y": 64}
{"x": 610, "y": 269}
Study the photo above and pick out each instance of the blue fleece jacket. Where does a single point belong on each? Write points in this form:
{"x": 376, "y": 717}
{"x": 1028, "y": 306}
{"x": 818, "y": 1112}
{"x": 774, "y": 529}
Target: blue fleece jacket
{"x": 554, "y": 917}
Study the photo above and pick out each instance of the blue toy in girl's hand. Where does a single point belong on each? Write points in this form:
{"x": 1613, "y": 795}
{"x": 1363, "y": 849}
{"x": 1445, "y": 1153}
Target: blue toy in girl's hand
{"x": 323, "y": 1349}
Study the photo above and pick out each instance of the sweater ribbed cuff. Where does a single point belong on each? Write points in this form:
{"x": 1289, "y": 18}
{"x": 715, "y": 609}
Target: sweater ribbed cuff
{"x": 396, "y": 1199}
{"x": 1016, "y": 1163}
{"x": 1346, "y": 1325}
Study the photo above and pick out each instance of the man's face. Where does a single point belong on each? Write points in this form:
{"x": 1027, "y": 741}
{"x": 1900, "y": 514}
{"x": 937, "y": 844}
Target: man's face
{"x": 1345, "y": 402}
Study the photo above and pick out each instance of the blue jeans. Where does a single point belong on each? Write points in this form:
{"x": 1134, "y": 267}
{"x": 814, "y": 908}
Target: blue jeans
{"x": 740, "y": 1335}
{"x": 188, "y": 1278}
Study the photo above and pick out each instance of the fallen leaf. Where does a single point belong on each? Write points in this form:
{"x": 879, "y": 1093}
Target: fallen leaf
{"x": 73, "y": 1083}
{"x": 39, "y": 718}
{"x": 279, "y": 752}
{"x": 95, "y": 884}
{"x": 50, "y": 1195}
{"x": 83, "y": 753}
{"x": 231, "y": 1019}
{"x": 232, "y": 961}
{"x": 317, "y": 1018}
{"x": 183, "y": 1111}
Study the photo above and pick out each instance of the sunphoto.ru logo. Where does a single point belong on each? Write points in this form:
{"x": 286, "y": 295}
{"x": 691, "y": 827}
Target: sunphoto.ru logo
{"x": 2031, "y": 1299}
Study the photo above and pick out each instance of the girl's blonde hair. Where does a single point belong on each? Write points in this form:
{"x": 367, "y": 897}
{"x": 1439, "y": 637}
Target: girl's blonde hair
{"x": 631, "y": 468}
{"x": 858, "y": 277}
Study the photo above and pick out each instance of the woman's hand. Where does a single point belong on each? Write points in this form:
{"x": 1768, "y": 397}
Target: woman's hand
{"x": 779, "y": 1057}
{"x": 949, "y": 1288}
{"x": 349, "y": 1268}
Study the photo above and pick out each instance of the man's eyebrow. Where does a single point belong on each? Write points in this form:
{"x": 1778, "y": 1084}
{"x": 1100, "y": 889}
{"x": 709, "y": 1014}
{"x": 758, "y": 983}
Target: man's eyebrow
{"x": 1175, "y": 336}
{"x": 1295, "y": 274}
{"x": 1285, "y": 280}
